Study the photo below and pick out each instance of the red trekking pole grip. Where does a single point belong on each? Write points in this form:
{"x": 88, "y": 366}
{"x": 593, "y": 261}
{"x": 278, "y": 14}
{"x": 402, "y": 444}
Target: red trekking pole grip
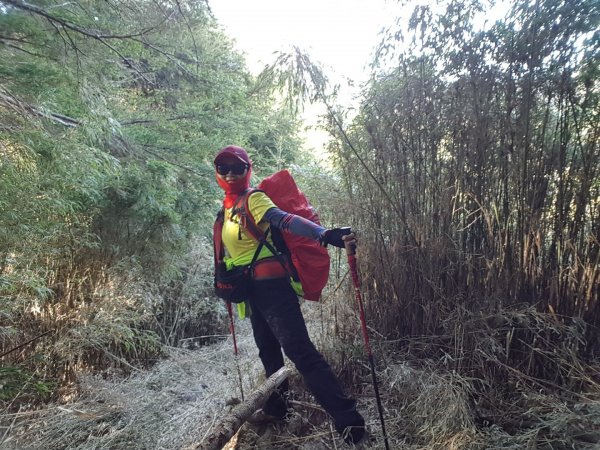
{"x": 354, "y": 271}
{"x": 351, "y": 252}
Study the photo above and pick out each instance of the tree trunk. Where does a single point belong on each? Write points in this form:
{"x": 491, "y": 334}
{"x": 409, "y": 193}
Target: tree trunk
{"x": 230, "y": 424}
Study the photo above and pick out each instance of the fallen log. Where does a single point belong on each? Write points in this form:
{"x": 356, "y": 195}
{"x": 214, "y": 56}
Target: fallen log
{"x": 231, "y": 423}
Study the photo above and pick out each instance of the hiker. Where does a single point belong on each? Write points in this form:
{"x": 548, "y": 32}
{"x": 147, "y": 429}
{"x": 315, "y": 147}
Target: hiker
{"x": 275, "y": 314}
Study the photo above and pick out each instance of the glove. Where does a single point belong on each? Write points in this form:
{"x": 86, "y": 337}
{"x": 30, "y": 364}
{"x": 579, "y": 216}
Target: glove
{"x": 333, "y": 236}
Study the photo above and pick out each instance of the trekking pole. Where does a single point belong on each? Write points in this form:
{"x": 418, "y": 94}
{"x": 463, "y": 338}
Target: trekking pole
{"x": 351, "y": 252}
{"x": 235, "y": 348}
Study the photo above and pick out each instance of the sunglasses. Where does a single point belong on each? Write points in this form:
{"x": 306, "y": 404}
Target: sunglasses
{"x": 236, "y": 169}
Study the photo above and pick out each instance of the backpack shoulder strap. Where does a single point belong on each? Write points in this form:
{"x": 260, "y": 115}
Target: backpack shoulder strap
{"x": 242, "y": 209}
{"x": 246, "y": 218}
{"x": 249, "y": 224}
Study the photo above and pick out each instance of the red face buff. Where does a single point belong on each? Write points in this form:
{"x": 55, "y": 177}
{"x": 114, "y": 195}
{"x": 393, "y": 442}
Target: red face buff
{"x": 234, "y": 189}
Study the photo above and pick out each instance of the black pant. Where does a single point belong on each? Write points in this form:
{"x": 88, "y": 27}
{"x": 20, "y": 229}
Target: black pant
{"x": 277, "y": 323}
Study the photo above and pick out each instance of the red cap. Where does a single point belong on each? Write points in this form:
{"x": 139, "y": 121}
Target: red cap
{"x": 233, "y": 150}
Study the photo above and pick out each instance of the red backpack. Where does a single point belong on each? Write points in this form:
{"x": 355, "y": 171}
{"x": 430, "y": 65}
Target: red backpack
{"x": 309, "y": 258}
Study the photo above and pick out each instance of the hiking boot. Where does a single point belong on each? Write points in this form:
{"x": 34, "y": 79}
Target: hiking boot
{"x": 276, "y": 405}
{"x": 353, "y": 430}
{"x": 261, "y": 417}
{"x": 354, "y": 435}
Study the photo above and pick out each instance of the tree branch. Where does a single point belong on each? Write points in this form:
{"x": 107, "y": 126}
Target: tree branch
{"x": 11, "y": 102}
{"x": 191, "y": 35}
{"x": 89, "y": 33}
{"x": 231, "y": 423}
{"x": 95, "y": 34}
{"x": 142, "y": 121}
{"x": 16, "y": 47}
{"x": 156, "y": 155}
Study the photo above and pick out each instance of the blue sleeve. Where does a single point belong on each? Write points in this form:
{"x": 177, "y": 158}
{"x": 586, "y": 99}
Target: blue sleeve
{"x": 293, "y": 223}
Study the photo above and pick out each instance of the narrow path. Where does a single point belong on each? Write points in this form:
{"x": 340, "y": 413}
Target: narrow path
{"x": 172, "y": 405}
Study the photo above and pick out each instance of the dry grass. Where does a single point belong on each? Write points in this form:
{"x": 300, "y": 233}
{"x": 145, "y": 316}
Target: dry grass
{"x": 119, "y": 324}
{"x": 428, "y": 404}
{"x": 171, "y": 406}
{"x": 509, "y": 380}
{"x": 168, "y": 407}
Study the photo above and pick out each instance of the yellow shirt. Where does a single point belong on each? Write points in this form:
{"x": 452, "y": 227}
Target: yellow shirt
{"x": 239, "y": 244}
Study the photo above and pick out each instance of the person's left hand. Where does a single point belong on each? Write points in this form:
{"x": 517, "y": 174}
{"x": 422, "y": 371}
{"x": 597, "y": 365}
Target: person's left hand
{"x": 335, "y": 237}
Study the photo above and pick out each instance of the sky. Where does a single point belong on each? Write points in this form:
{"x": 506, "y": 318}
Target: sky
{"x": 340, "y": 35}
